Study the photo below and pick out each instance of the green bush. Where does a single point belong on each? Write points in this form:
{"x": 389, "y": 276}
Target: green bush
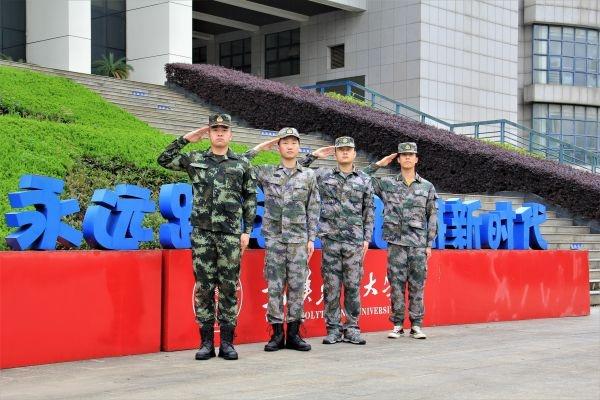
{"x": 52, "y": 126}
{"x": 346, "y": 99}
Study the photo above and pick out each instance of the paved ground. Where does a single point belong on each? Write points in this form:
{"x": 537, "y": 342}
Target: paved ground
{"x": 540, "y": 359}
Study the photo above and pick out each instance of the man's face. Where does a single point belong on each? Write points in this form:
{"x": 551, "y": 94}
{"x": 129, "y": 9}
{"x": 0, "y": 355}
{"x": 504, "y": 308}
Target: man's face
{"x": 345, "y": 155}
{"x": 220, "y": 136}
{"x": 407, "y": 160}
{"x": 289, "y": 147}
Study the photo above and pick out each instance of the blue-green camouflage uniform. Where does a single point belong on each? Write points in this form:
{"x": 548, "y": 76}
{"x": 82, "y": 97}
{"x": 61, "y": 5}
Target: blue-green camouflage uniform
{"x": 290, "y": 220}
{"x": 346, "y": 222}
{"x": 409, "y": 227}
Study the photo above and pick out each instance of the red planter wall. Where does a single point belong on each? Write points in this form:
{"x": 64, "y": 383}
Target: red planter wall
{"x": 462, "y": 287}
{"x": 73, "y": 305}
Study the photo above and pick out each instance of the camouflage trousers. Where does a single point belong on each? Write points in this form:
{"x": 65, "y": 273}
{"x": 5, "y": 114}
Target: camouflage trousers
{"x": 341, "y": 265}
{"x": 216, "y": 261}
{"x": 407, "y": 265}
{"x": 286, "y": 269}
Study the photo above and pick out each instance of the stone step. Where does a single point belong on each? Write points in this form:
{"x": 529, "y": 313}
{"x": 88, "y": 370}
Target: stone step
{"x": 183, "y": 107}
{"x": 572, "y": 238}
{"x": 594, "y": 297}
{"x": 595, "y": 274}
{"x": 567, "y": 245}
{"x": 594, "y": 262}
{"x": 558, "y": 222}
{"x": 545, "y": 229}
{"x": 594, "y": 284}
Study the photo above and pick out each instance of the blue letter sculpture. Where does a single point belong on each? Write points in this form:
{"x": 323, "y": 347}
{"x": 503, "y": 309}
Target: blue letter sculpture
{"x": 115, "y": 220}
{"x": 42, "y": 228}
{"x": 175, "y": 204}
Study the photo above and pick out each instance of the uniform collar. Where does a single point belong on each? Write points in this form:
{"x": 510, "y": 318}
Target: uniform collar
{"x": 417, "y": 178}
{"x": 228, "y": 155}
{"x": 338, "y": 171}
{"x": 298, "y": 167}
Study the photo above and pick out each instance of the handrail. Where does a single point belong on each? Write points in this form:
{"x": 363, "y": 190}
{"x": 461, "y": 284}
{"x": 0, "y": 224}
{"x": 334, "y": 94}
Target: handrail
{"x": 533, "y": 141}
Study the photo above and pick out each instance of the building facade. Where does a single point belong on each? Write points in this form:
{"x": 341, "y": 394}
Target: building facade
{"x": 530, "y": 61}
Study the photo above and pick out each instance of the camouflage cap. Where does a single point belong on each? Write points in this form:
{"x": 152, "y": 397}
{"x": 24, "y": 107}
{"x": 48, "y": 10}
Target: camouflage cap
{"x": 344, "y": 141}
{"x": 285, "y": 132}
{"x": 407, "y": 147}
{"x": 219, "y": 120}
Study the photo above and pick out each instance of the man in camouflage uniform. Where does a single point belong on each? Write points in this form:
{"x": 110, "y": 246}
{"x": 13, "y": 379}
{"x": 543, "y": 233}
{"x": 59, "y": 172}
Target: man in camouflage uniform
{"x": 224, "y": 190}
{"x": 346, "y": 226}
{"x": 409, "y": 227}
{"x": 289, "y": 227}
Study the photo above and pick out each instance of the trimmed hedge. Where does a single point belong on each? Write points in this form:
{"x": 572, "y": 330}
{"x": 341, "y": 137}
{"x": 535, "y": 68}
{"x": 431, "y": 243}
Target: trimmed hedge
{"x": 452, "y": 162}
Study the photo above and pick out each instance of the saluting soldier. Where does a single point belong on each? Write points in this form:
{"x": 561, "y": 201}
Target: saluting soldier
{"x": 289, "y": 227}
{"x": 346, "y": 226}
{"x": 409, "y": 227}
{"x": 224, "y": 191}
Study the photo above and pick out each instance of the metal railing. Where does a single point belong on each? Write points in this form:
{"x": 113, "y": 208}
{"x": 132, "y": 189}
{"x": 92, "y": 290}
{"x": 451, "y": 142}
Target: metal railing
{"x": 496, "y": 131}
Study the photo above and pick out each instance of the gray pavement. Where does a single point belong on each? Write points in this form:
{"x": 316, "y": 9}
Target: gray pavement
{"x": 537, "y": 359}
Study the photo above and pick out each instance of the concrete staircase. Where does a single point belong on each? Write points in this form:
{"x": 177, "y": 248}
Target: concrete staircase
{"x": 174, "y": 113}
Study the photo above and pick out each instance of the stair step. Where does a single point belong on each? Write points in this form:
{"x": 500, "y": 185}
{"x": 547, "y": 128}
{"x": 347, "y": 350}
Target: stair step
{"x": 594, "y": 284}
{"x": 595, "y": 275}
{"x": 567, "y": 245}
{"x": 594, "y": 297}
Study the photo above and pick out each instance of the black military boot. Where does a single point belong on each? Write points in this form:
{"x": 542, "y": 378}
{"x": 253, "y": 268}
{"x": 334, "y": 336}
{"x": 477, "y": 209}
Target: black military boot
{"x": 207, "y": 342}
{"x": 277, "y": 341}
{"x": 293, "y": 340}
{"x": 226, "y": 350}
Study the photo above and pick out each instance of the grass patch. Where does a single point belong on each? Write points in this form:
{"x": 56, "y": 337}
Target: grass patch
{"x": 52, "y": 126}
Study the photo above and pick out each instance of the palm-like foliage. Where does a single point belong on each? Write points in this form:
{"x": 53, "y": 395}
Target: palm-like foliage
{"x": 108, "y": 66}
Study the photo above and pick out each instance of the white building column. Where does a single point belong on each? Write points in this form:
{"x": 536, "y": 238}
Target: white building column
{"x": 59, "y": 34}
{"x": 158, "y": 32}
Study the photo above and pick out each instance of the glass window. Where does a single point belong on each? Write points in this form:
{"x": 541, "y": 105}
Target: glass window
{"x": 555, "y": 47}
{"x": 554, "y": 77}
{"x": 12, "y": 29}
{"x": 108, "y": 29}
{"x": 540, "y": 47}
{"x": 540, "y": 32}
{"x": 554, "y": 62}
{"x": 566, "y": 55}
{"x": 236, "y": 54}
{"x": 568, "y": 34}
{"x": 579, "y": 79}
{"x": 556, "y": 32}
{"x": 282, "y": 53}
{"x": 199, "y": 55}
{"x": 572, "y": 124}
{"x": 540, "y": 77}
{"x": 540, "y": 62}
{"x": 568, "y": 49}
{"x": 567, "y": 64}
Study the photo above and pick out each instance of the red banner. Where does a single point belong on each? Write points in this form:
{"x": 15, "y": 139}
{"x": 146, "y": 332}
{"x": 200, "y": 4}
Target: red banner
{"x": 462, "y": 287}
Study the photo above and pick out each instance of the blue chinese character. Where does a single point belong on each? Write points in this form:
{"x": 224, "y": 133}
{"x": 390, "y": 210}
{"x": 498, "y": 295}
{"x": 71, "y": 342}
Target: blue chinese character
{"x": 115, "y": 220}
{"x": 527, "y": 227}
{"x": 439, "y": 241}
{"x": 377, "y": 238}
{"x": 42, "y": 228}
{"x": 491, "y": 230}
{"x": 506, "y": 215}
{"x": 462, "y": 227}
{"x": 175, "y": 204}
{"x": 256, "y": 237}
